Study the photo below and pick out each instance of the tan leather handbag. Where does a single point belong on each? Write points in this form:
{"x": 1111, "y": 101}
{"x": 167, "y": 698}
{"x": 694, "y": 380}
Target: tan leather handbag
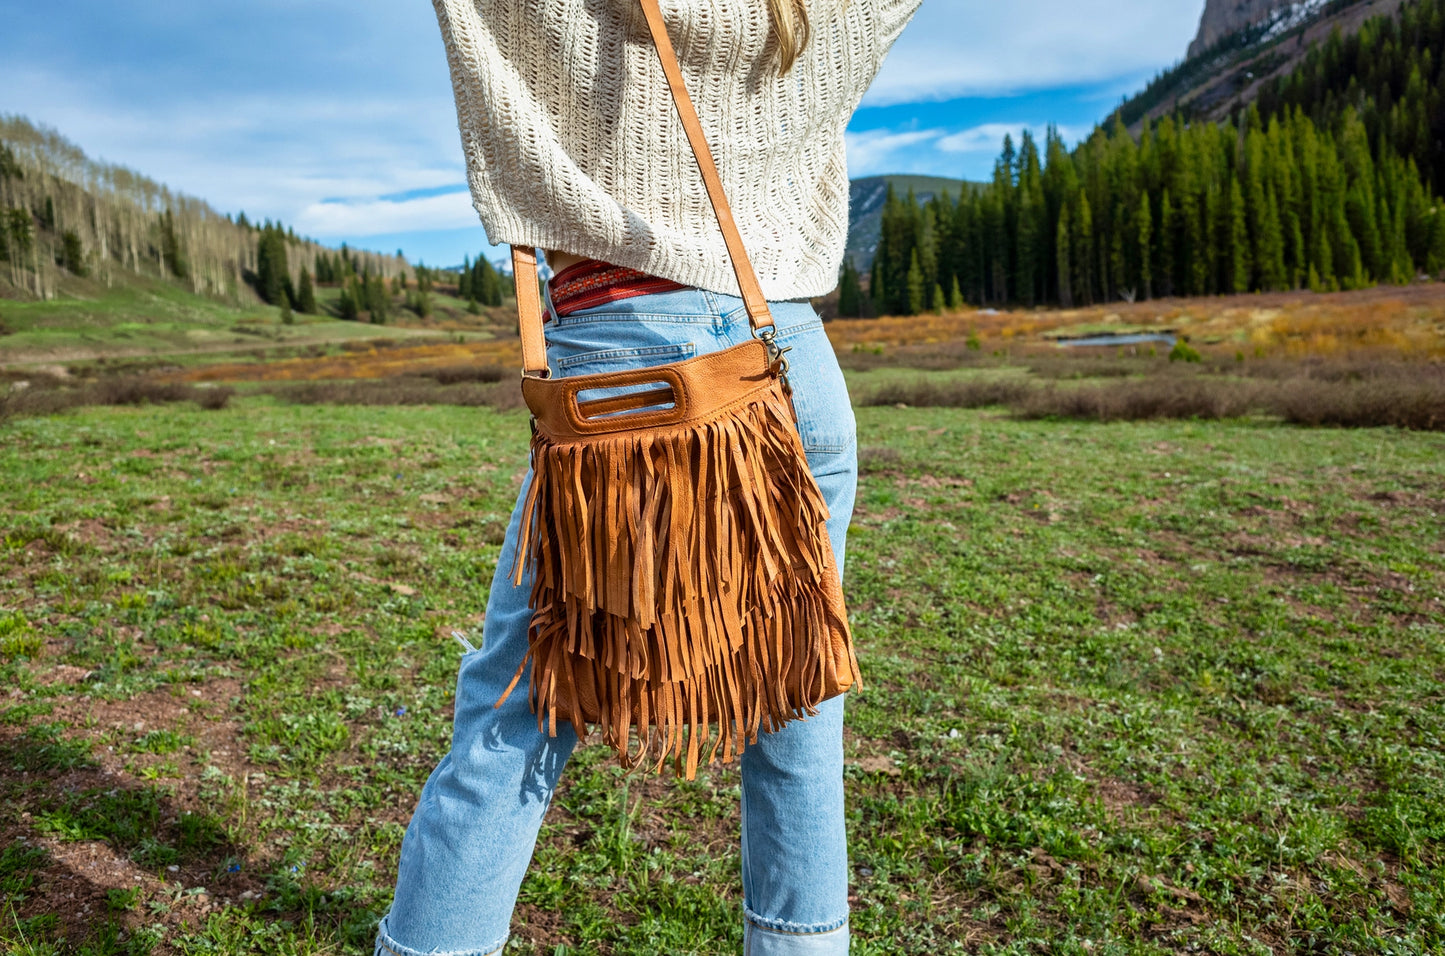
{"x": 683, "y": 578}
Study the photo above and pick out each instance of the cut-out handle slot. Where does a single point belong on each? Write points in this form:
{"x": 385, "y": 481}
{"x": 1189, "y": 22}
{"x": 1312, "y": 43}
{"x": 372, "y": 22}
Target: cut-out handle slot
{"x": 654, "y": 399}
{"x": 658, "y": 397}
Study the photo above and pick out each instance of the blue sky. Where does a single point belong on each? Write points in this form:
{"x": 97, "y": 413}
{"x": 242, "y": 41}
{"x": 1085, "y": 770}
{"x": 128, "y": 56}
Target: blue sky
{"x": 337, "y": 118}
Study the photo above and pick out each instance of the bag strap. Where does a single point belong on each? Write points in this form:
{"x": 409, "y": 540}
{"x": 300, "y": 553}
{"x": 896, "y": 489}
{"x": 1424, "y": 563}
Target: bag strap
{"x": 524, "y": 260}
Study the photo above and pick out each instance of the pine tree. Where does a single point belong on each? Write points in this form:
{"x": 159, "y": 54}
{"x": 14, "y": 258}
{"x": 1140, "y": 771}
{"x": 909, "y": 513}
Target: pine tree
{"x": 346, "y": 305}
{"x": 1144, "y": 226}
{"x": 1168, "y": 258}
{"x": 1026, "y": 242}
{"x": 486, "y": 284}
{"x": 877, "y": 287}
{"x": 464, "y": 279}
{"x": 22, "y": 237}
{"x": 955, "y": 297}
{"x": 272, "y": 276}
{"x": 306, "y": 294}
{"x": 1063, "y": 243}
{"x": 420, "y": 302}
{"x": 850, "y": 294}
{"x": 914, "y": 285}
{"x": 1270, "y": 249}
{"x": 287, "y": 317}
{"x": 1239, "y": 265}
{"x": 171, "y": 253}
{"x": 72, "y": 253}
{"x": 9, "y": 167}
{"x": 374, "y": 290}
{"x": 1082, "y": 248}
{"x": 1435, "y": 257}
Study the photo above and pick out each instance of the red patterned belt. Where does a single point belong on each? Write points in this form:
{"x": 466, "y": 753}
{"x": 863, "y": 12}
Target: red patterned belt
{"x": 590, "y": 283}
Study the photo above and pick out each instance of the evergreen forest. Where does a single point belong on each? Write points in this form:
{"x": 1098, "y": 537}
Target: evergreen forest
{"x": 1331, "y": 181}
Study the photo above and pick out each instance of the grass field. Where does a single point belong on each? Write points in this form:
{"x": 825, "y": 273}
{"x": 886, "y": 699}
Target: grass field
{"x": 1131, "y": 688}
{"x": 147, "y": 319}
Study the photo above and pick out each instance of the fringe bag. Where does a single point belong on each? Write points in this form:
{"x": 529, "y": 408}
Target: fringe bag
{"x": 683, "y": 578}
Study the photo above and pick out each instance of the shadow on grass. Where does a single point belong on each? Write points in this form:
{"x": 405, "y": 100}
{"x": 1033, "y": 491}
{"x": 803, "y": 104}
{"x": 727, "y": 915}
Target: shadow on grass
{"x": 59, "y": 895}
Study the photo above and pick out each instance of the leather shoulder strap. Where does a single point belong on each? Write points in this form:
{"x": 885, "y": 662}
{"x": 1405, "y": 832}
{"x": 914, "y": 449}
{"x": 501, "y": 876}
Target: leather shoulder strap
{"x": 529, "y": 312}
{"x": 524, "y": 261}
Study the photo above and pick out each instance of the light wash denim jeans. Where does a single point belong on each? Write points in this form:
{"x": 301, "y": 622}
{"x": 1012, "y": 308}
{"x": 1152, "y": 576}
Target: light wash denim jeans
{"x": 475, "y": 826}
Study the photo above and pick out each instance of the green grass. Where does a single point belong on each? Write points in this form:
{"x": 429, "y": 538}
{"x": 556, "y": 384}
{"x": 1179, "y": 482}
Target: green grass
{"x": 1130, "y": 688}
{"x": 147, "y": 318}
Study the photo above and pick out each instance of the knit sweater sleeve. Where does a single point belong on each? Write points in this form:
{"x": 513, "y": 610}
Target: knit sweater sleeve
{"x": 572, "y": 141}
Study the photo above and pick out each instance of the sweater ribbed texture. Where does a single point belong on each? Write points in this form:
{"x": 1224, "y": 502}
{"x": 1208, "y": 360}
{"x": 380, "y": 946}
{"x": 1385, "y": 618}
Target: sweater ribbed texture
{"x": 573, "y": 143}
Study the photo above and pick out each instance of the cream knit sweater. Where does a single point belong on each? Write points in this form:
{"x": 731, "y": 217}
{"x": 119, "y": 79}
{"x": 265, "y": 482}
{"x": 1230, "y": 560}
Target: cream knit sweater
{"x": 572, "y": 141}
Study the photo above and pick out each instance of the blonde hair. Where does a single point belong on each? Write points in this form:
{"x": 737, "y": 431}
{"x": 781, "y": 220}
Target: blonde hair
{"x": 790, "y": 23}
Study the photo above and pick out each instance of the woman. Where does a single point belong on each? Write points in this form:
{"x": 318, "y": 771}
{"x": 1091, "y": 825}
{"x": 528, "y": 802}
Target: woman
{"x": 573, "y": 145}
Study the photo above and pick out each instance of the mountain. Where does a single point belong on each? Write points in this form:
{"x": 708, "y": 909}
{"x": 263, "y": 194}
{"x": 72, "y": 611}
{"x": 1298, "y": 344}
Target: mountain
{"x": 1225, "y": 18}
{"x": 1240, "y": 47}
{"x": 865, "y": 208}
{"x": 1331, "y": 179}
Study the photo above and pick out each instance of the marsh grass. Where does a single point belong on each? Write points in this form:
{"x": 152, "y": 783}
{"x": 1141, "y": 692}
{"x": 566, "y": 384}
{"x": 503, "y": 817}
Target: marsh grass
{"x": 1350, "y": 394}
{"x": 49, "y": 395}
{"x": 472, "y": 390}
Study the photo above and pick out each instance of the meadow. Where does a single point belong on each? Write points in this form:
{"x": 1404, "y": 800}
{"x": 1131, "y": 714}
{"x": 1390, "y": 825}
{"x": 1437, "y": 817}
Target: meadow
{"x": 1168, "y": 685}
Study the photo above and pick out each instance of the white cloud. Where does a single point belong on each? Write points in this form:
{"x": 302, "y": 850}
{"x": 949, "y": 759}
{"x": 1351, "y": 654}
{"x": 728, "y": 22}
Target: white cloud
{"x": 939, "y": 151}
{"x": 309, "y": 113}
{"x": 873, "y": 151}
{"x": 965, "y": 48}
{"x": 989, "y": 137}
{"x": 380, "y": 216}
{"x": 236, "y": 159}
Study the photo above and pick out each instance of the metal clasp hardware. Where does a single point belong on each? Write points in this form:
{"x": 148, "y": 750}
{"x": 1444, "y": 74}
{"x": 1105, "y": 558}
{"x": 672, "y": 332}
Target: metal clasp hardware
{"x": 776, "y": 353}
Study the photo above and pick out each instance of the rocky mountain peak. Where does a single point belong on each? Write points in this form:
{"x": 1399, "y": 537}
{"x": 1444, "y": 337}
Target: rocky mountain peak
{"x": 1223, "y": 18}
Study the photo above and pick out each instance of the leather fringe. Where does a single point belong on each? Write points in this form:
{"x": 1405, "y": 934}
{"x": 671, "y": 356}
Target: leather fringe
{"x": 625, "y": 532}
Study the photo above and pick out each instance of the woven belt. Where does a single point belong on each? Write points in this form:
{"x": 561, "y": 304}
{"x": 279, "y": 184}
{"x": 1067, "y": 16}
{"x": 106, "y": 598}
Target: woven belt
{"x": 590, "y": 283}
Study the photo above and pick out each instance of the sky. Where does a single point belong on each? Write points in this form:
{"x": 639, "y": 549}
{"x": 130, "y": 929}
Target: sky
{"x": 337, "y": 118}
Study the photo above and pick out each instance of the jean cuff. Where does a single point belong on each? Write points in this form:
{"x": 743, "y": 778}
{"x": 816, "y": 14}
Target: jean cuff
{"x": 773, "y": 937}
{"x": 386, "y": 946}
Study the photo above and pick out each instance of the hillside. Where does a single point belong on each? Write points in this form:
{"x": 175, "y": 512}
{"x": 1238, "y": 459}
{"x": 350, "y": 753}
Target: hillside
{"x": 68, "y": 216}
{"x": 1242, "y": 45}
{"x": 99, "y": 261}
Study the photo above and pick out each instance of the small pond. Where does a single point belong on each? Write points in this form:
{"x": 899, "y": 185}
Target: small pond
{"x": 1132, "y": 338}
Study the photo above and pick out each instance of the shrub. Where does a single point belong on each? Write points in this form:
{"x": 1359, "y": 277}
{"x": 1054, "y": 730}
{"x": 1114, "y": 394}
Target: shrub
{"x": 1157, "y": 397}
{"x": 969, "y": 394}
{"x": 402, "y": 391}
{"x": 214, "y": 399}
{"x": 1402, "y": 404}
{"x": 452, "y": 374}
{"x": 48, "y": 398}
{"x": 1184, "y": 352}
{"x": 1084, "y": 366}
{"x": 939, "y": 357}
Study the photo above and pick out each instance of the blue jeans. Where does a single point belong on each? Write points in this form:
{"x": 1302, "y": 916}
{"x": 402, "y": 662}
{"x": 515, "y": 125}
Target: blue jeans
{"x": 475, "y": 826}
